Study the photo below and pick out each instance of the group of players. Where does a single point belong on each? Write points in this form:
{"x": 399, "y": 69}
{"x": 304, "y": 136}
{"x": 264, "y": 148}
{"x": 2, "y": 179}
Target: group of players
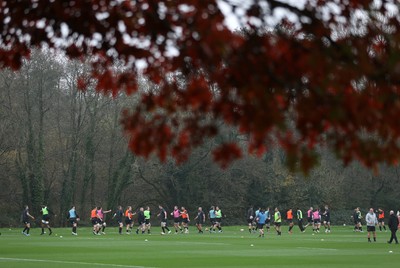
{"x": 263, "y": 218}
{"x": 260, "y": 218}
{"x": 97, "y": 216}
{"x": 377, "y": 218}
{"x": 357, "y": 218}
{"x": 45, "y": 222}
{"x": 257, "y": 220}
{"x": 180, "y": 216}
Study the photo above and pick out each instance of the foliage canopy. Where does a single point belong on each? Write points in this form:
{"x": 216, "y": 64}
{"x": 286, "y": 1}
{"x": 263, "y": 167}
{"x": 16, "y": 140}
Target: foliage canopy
{"x": 329, "y": 77}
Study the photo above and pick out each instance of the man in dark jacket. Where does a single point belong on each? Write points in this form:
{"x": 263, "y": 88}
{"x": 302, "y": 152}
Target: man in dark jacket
{"x": 393, "y": 225}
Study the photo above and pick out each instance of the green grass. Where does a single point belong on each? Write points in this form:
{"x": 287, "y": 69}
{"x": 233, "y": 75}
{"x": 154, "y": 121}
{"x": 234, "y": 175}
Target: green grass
{"x": 232, "y": 248}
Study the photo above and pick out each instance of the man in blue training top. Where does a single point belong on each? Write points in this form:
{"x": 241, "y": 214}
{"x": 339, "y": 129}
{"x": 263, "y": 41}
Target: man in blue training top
{"x": 73, "y": 218}
{"x": 211, "y": 216}
{"x": 261, "y": 219}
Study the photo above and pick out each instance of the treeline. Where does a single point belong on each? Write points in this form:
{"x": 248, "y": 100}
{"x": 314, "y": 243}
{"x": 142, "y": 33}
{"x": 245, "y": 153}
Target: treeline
{"x": 60, "y": 146}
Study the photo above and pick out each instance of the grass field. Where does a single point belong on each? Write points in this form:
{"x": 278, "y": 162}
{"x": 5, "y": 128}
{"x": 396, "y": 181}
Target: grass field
{"x": 232, "y": 248}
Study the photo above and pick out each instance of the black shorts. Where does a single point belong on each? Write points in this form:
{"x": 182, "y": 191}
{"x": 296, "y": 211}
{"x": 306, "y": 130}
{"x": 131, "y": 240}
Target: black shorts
{"x": 260, "y": 225}
{"x": 327, "y": 220}
{"x": 218, "y": 220}
{"x": 177, "y": 220}
{"x": 199, "y": 222}
{"x": 212, "y": 220}
{"x": 277, "y": 224}
{"x": 357, "y": 221}
{"x": 95, "y": 221}
{"x": 147, "y": 221}
{"x": 249, "y": 221}
{"x": 128, "y": 221}
{"x": 370, "y": 228}
{"x": 290, "y": 221}
{"x": 26, "y": 221}
{"x": 381, "y": 220}
{"x": 309, "y": 220}
{"x": 317, "y": 221}
{"x": 46, "y": 217}
{"x": 72, "y": 220}
{"x": 141, "y": 222}
{"x": 185, "y": 220}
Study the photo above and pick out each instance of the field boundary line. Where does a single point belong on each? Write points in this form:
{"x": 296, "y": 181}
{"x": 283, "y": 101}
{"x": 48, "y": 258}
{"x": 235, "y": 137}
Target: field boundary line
{"x": 73, "y": 262}
{"x": 331, "y": 249}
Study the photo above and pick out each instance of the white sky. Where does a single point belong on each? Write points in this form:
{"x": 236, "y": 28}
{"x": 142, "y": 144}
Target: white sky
{"x": 236, "y": 20}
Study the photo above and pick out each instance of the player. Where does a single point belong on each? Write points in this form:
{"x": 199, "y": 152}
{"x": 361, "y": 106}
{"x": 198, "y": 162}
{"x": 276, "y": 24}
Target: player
{"x": 277, "y": 221}
{"x": 73, "y": 219}
{"x": 177, "y": 219}
{"x": 95, "y": 220}
{"x": 200, "y": 219}
{"x": 289, "y": 218}
{"x": 147, "y": 215}
{"x": 255, "y": 223}
{"x": 185, "y": 220}
{"x": 211, "y": 216}
{"x": 119, "y": 214}
{"x": 45, "y": 219}
{"x": 393, "y": 226}
{"x": 218, "y": 219}
{"x": 381, "y": 219}
{"x": 372, "y": 221}
{"x": 327, "y": 219}
{"x": 398, "y": 217}
{"x": 268, "y": 220}
{"x": 163, "y": 218}
{"x": 250, "y": 219}
{"x": 357, "y": 220}
{"x": 299, "y": 216}
{"x": 129, "y": 220}
{"x": 102, "y": 222}
{"x": 141, "y": 221}
{"x": 316, "y": 216}
{"x": 26, "y": 217}
{"x": 261, "y": 219}
{"x": 309, "y": 217}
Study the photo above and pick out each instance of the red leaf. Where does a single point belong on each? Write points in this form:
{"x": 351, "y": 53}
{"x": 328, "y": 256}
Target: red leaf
{"x": 226, "y": 154}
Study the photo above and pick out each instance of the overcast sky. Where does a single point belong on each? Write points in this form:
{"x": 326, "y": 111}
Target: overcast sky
{"x": 236, "y": 20}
